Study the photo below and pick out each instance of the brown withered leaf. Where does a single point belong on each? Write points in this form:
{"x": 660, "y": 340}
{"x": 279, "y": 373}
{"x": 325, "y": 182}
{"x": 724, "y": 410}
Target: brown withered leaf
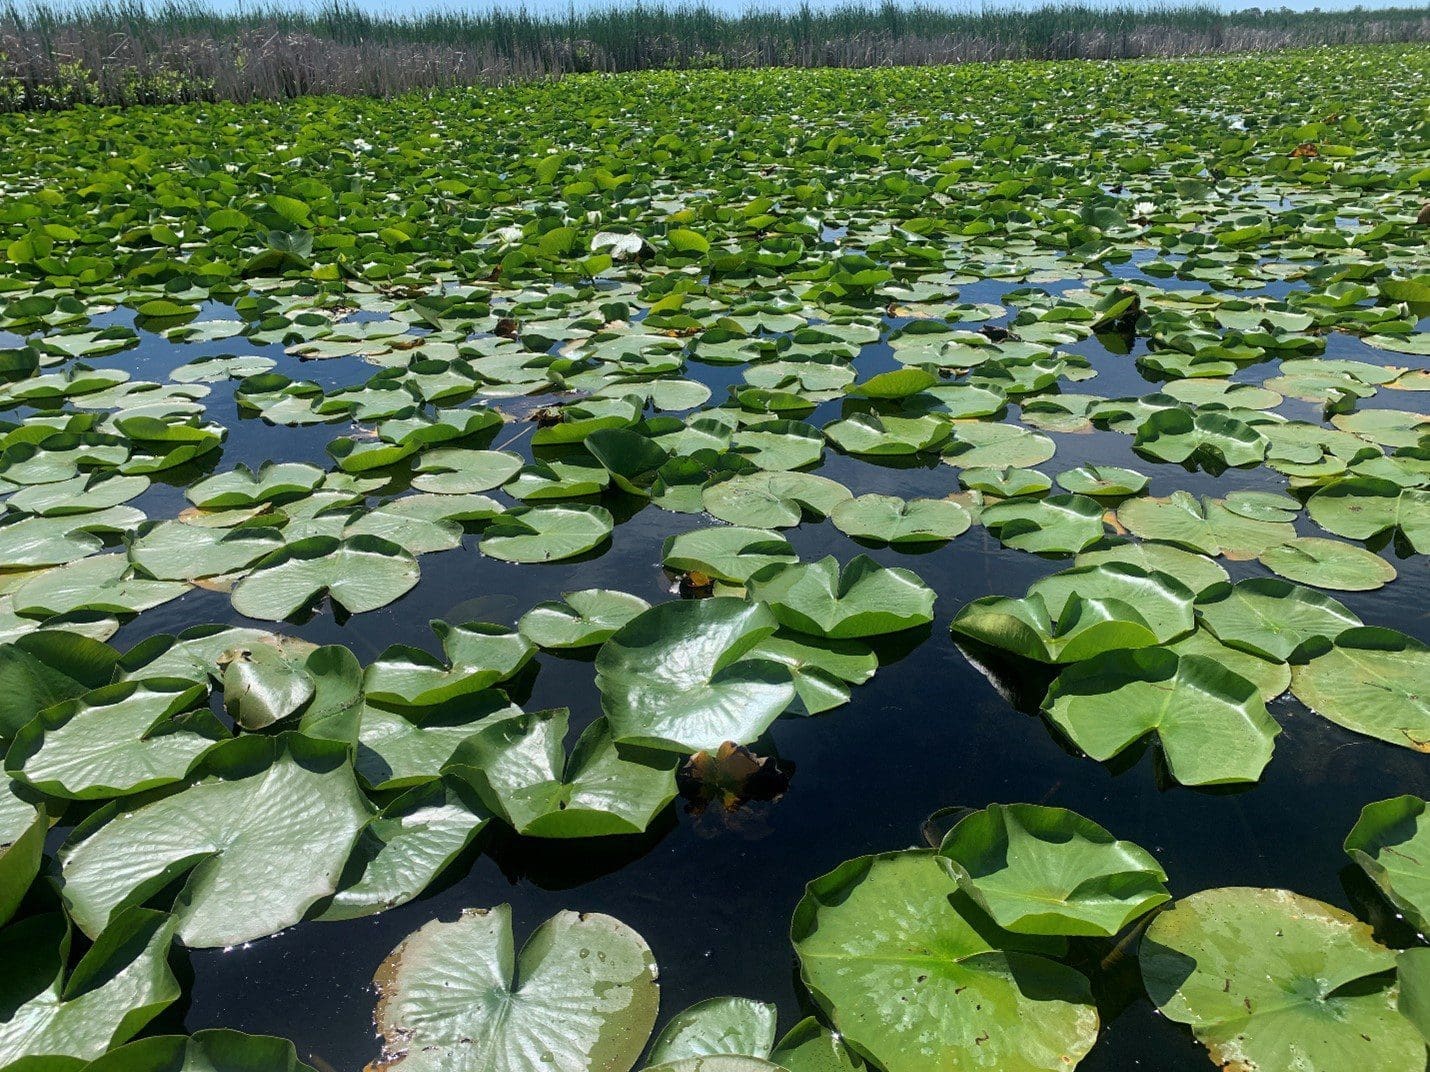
{"x": 1305, "y": 149}
{"x": 731, "y": 777}
{"x": 1423, "y": 219}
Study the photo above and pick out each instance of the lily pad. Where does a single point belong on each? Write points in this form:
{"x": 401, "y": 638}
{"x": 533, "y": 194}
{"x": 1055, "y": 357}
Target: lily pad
{"x": 734, "y": 1026}
{"x": 1212, "y": 724}
{"x": 358, "y": 574}
{"x": 1271, "y": 618}
{"x": 546, "y": 533}
{"x": 1042, "y": 870}
{"x": 114, "y": 741}
{"x": 863, "y": 599}
{"x": 581, "y": 993}
{"x": 1206, "y": 526}
{"x": 914, "y": 975}
{"x": 889, "y": 519}
{"x": 269, "y": 825}
{"x": 1389, "y": 843}
{"x": 1372, "y": 681}
{"x": 58, "y": 1017}
{"x": 519, "y": 768}
{"x": 211, "y": 1050}
{"x": 1058, "y": 524}
{"x": 1271, "y": 979}
{"x": 477, "y": 656}
{"x": 1328, "y": 564}
{"x": 729, "y": 553}
{"x": 581, "y": 619}
{"x": 678, "y": 676}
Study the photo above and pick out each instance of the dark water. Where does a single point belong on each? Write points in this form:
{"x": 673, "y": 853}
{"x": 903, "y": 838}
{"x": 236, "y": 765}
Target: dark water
{"x": 713, "y": 893}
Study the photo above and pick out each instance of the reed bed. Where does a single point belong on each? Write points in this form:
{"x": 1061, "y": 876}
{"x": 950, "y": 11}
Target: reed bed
{"x": 127, "y": 52}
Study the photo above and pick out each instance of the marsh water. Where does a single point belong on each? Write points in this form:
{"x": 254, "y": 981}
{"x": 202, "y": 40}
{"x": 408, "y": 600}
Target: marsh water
{"x": 712, "y": 891}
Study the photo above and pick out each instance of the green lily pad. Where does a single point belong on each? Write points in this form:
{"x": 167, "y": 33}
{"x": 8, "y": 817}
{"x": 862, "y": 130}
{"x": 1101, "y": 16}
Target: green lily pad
{"x": 1058, "y": 524}
{"x": 477, "y": 656}
{"x": 1206, "y": 526}
{"x": 519, "y": 768}
{"x": 823, "y": 670}
{"x": 772, "y": 500}
{"x": 174, "y": 551}
{"x": 1102, "y": 481}
{"x": 1271, "y": 618}
{"x": 809, "y": 1046}
{"x": 1271, "y": 979}
{"x": 978, "y": 444}
{"x": 1389, "y": 842}
{"x": 546, "y": 533}
{"x": 582, "y": 992}
{"x": 581, "y": 619}
{"x": 1205, "y": 437}
{"x": 407, "y": 747}
{"x": 1360, "y": 508}
{"x": 1372, "y": 681}
{"x": 23, "y": 826}
{"x": 889, "y": 519}
{"x": 60, "y": 1017}
{"x": 717, "y": 1026}
{"x": 863, "y": 599}
{"x": 1270, "y": 678}
{"x": 1212, "y": 724}
{"x": 406, "y": 847}
{"x": 358, "y": 574}
{"x": 729, "y": 553}
{"x": 114, "y": 741}
{"x": 913, "y": 975}
{"x": 212, "y": 1050}
{"x": 269, "y": 825}
{"x": 678, "y": 676}
{"x": 1192, "y": 569}
{"x": 1328, "y": 564}
{"x": 1042, "y": 870}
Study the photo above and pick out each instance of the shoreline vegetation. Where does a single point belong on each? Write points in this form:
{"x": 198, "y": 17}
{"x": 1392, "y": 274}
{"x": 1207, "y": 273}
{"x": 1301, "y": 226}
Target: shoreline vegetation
{"x": 119, "y": 52}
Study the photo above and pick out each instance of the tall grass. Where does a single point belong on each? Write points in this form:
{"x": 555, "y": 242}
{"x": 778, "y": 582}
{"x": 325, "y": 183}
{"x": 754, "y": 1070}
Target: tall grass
{"x": 123, "y": 51}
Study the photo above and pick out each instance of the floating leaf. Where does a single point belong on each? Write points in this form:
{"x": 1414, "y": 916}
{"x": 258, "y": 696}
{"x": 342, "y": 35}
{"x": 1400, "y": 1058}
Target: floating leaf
{"x": 546, "y": 533}
{"x": 1328, "y": 564}
{"x": 581, "y": 619}
{"x": 114, "y": 741}
{"x": 1041, "y": 870}
{"x": 863, "y": 599}
{"x": 1206, "y": 526}
{"x": 1389, "y": 842}
{"x": 913, "y": 975}
{"x": 728, "y": 553}
{"x": 359, "y": 574}
{"x": 1373, "y": 681}
{"x": 518, "y": 767}
{"x": 406, "y": 847}
{"x": 1058, "y": 524}
{"x": 889, "y": 519}
{"x": 1270, "y": 617}
{"x": 734, "y": 1026}
{"x": 269, "y": 826}
{"x": 214, "y": 1048}
{"x": 772, "y": 500}
{"x": 59, "y": 1017}
{"x": 581, "y": 993}
{"x": 1211, "y": 723}
{"x": 478, "y": 656}
{"x": 1271, "y": 979}
{"x": 678, "y": 676}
